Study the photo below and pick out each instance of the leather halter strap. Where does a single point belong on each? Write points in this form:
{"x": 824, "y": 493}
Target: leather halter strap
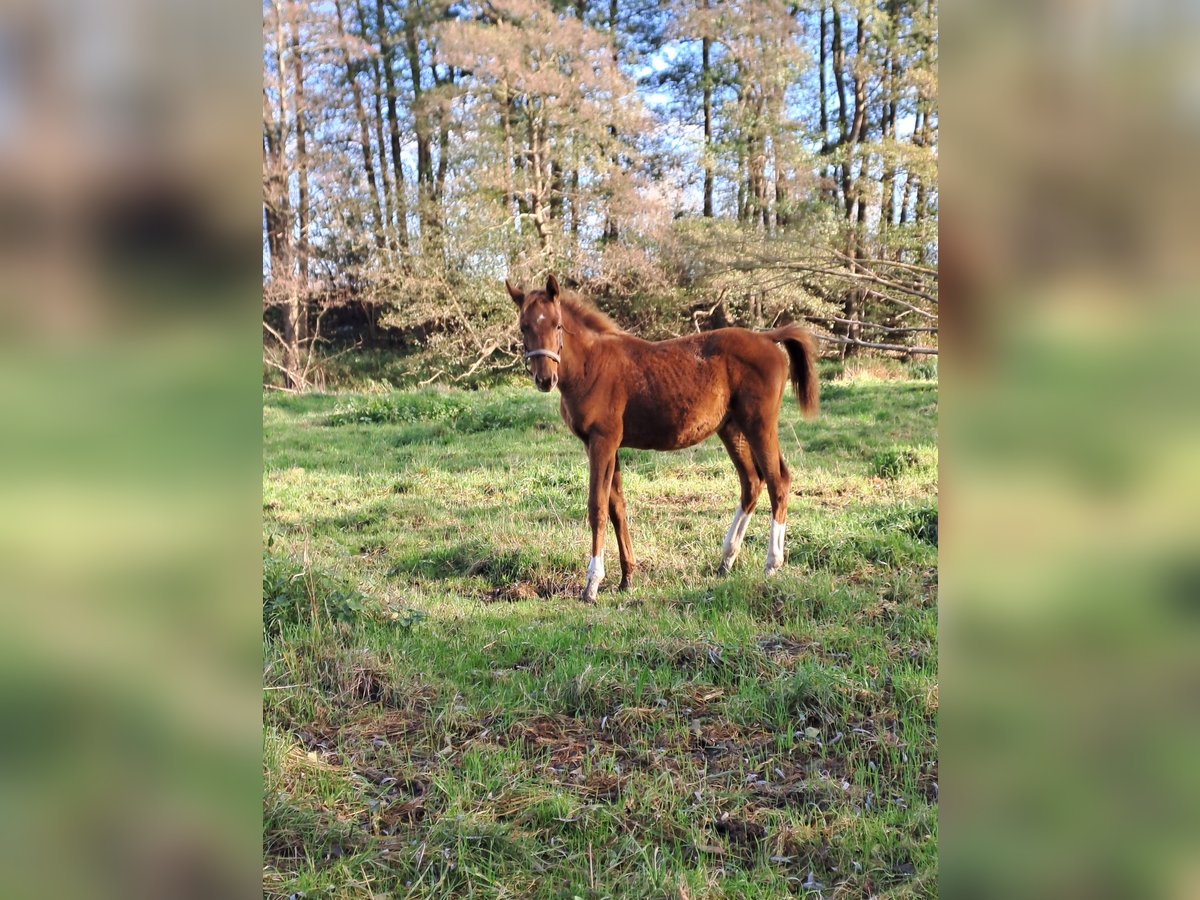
{"x": 529, "y": 354}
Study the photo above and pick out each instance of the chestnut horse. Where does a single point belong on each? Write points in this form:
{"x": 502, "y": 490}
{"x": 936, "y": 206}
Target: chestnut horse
{"x": 621, "y": 391}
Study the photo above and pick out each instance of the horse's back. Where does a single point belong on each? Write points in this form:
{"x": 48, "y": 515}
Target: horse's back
{"x": 680, "y": 391}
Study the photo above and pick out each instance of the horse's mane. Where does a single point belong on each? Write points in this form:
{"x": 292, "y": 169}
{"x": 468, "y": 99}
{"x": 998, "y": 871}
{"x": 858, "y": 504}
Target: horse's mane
{"x": 587, "y": 315}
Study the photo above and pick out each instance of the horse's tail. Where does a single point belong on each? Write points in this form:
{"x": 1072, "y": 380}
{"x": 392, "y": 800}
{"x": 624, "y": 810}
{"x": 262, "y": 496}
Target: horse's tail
{"x": 802, "y": 352}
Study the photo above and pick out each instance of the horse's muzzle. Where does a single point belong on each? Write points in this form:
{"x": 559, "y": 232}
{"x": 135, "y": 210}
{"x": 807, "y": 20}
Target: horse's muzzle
{"x": 545, "y": 383}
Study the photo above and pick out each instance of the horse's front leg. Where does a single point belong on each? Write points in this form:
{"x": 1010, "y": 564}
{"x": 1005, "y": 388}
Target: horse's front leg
{"x": 602, "y": 459}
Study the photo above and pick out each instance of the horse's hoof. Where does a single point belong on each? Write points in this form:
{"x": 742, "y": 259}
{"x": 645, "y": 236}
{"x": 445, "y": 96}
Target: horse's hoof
{"x": 625, "y": 584}
{"x": 725, "y": 568}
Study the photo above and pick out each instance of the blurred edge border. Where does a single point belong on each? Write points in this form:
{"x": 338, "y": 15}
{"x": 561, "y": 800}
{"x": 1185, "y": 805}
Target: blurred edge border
{"x": 131, "y": 380}
{"x": 130, "y": 392}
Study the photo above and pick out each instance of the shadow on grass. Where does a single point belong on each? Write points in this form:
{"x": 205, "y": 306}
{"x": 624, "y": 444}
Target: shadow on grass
{"x": 499, "y": 567}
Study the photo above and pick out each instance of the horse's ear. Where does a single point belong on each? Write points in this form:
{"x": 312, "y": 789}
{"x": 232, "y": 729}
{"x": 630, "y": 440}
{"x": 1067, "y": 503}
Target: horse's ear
{"x": 517, "y": 295}
{"x": 551, "y": 287}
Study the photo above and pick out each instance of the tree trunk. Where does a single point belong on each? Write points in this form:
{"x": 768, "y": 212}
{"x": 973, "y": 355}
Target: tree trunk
{"x": 706, "y": 84}
{"x": 856, "y": 210}
{"x": 302, "y": 211}
{"x": 742, "y": 206}
{"x": 510, "y": 191}
{"x": 781, "y": 192}
{"x": 823, "y": 92}
{"x": 919, "y": 208}
{"x": 377, "y": 96}
{"x": 839, "y": 65}
{"x": 278, "y": 211}
{"x": 443, "y": 166}
{"x": 364, "y": 130}
{"x": 838, "y": 52}
{"x": 611, "y": 231}
{"x": 426, "y": 211}
{"x": 823, "y": 100}
{"x": 576, "y": 205}
{"x": 276, "y": 207}
{"x": 904, "y": 200}
{"x": 389, "y": 80}
{"x": 576, "y": 208}
{"x": 888, "y": 120}
{"x": 539, "y": 183}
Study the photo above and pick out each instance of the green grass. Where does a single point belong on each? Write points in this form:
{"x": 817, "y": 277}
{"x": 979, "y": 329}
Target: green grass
{"x": 444, "y": 718}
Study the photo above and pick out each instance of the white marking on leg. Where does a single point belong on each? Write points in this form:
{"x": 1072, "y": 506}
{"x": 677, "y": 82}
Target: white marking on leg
{"x": 595, "y": 574}
{"x": 775, "y": 548}
{"x": 733, "y": 537}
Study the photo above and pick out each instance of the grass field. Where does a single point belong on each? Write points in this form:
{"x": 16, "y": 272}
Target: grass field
{"x": 442, "y": 716}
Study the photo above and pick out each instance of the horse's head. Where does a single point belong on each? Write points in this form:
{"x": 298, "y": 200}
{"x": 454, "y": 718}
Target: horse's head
{"x": 540, "y": 320}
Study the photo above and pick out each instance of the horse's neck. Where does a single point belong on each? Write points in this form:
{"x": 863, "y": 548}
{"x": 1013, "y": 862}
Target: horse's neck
{"x": 580, "y": 342}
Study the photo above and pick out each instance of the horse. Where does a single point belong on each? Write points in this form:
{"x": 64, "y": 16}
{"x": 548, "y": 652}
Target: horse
{"x": 618, "y": 390}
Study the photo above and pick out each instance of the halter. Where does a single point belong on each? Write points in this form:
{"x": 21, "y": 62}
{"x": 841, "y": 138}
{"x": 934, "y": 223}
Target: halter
{"x": 550, "y": 353}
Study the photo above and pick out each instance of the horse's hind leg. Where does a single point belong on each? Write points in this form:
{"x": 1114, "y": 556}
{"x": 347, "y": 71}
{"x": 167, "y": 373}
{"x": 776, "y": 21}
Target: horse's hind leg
{"x": 739, "y": 452}
{"x": 616, "y": 510}
{"x": 764, "y": 446}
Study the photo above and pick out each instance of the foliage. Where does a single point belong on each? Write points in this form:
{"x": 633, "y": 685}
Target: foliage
{"x": 296, "y": 595}
{"x": 895, "y": 462}
{"x": 407, "y": 408}
{"x": 927, "y": 370}
{"x": 686, "y": 165}
{"x": 433, "y": 405}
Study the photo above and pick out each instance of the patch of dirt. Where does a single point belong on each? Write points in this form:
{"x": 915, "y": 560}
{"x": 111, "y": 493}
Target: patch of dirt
{"x": 693, "y": 501}
{"x": 378, "y": 736}
{"x": 597, "y": 785}
{"x": 700, "y": 698}
{"x": 360, "y": 678}
{"x": 512, "y": 593}
{"x": 785, "y": 652}
{"x": 541, "y": 587}
{"x": 692, "y": 657}
{"x": 621, "y": 736}
{"x": 781, "y": 649}
{"x": 796, "y": 789}
{"x": 720, "y": 737}
{"x": 557, "y": 584}
{"x": 567, "y": 740}
{"x": 928, "y": 786}
{"x": 535, "y": 664}
{"x": 740, "y": 831}
{"x": 407, "y": 811}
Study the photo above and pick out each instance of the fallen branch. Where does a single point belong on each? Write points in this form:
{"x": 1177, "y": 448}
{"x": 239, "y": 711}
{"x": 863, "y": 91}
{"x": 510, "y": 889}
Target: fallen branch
{"x": 899, "y": 348}
{"x": 932, "y": 329}
{"x": 484, "y": 354}
{"x": 432, "y": 378}
{"x": 797, "y": 266}
{"x": 697, "y": 314}
{"x": 914, "y": 267}
{"x": 904, "y": 303}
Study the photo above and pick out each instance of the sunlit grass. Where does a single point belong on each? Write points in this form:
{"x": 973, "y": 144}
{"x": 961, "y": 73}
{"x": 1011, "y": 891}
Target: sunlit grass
{"x": 696, "y": 737}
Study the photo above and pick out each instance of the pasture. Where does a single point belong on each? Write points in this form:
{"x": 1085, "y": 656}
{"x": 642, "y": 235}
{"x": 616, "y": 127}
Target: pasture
{"x": 443, "y": 717}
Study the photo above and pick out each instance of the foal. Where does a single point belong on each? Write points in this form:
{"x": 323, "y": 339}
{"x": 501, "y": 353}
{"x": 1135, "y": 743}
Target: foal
{"x": 621, "y": 391}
